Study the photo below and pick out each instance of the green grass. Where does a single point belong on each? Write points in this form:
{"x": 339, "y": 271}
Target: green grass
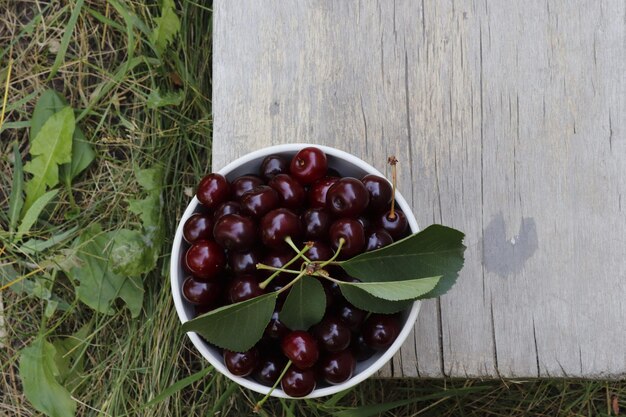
{"x": 107, "y": 68}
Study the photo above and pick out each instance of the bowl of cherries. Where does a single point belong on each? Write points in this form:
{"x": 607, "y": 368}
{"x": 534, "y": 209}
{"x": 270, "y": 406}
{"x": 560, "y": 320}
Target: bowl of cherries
{"x": 297, "y": 269}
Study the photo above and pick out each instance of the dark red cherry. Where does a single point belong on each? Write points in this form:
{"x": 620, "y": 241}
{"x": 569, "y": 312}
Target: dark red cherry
{"x": 300, "y": 347}
{"x": 229, "y": 207}
{"x": 316, "y": 222}
{"x": 396, "y": 226}
{"x": 200, "y": 292}
{"x": 243, "y": 287}
{"x": 319, "y": 190}
{"x": 276, "y": 329}
{"x": 332, "y": 335}
{"x": 279, "y": 224}
{"x": 380, "y": 192}
{"x": 205, "y": 259}
{"x": 213, "y": 190}
{"x": 198, "y": 227}
{"x": 378, "y": 239}
{"x": 259, "y": 201}
{"x": 352, "y": 232}
{"x": 241, "y": 185}
{"x": 244, "y": 262}
{"x": 319, "y": 252}
{"x": 241, "y": 363}
{"x": 277, "y": 259}
{"x": 350, "y": 315}
{"x": 291, "y": 192}
{"x": 273, "y": 165}
{"x": 269, "y": 368}
{"x": 337, "y": 367}
{"x": 380, "y": 330}
{"x": 235, "y": 232}
{"x": 347, "y": 198}
{"x": 298, "y": 382}
{"x": 202, "y": 309}
{"x": 360, "y": 349}
{"x": 308, "y": 165}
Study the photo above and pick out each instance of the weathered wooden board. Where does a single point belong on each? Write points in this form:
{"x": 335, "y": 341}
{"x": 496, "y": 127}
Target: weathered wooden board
{"x": 509, "y": 120}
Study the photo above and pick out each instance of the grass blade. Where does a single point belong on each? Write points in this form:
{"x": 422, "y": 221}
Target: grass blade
{"x": 177, "y": 386}
{"x": 65, "y": 41}
{"x": 32, "y": 214}
{"x": 16, "y": 200}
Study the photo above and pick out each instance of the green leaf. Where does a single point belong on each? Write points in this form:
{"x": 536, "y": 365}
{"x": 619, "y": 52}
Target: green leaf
{"x": 39, "y": 372}
{"x": 99, "y": 286}
{"x": 148, "y": 210}
{"x": 131, "y": 254}
{"x": 156, "y": 100}
{"x": 16, "y": 200}
{"x": 235, "y": 327}
{"x": 393, "y": 290}
{"x": 82, "y": 156}
{"x": 51, "y": 147}
{"x": 69, "y": 358}
{"x": 49, "y": 103}
{"x": 33, "y": 246}
{"x": 151, "y": 179}
{"x": 435, "y": 251}
{"x": 167, "y": 26}
{"x": 305, "y": 305}
{"x": 33, "y": 213}
{"x": 365, "y": 301}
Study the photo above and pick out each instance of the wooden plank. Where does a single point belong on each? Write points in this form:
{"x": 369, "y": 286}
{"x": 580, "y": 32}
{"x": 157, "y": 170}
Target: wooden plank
{"x": 509, "y": 122}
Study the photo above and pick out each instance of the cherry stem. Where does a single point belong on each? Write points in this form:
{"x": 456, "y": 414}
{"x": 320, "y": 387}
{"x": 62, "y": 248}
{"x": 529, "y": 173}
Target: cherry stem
{"x": 272, "y": 268}
{"x": 259, "y": 405}
{"x": 393, "y": 161}
{"x": 295, "y": 248}
{"x": 293, "y": 281}
{"x": 275, "y": 274}
{"x": 342, "y": 241}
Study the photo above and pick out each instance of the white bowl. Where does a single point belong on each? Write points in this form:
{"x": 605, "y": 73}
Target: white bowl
{"x": 347, "y": 165}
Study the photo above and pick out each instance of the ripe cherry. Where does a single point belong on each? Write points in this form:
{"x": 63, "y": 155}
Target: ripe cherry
{"x": 350, "y": 315}
{"x": 259, "y": 201}
{"x": 229, "y": 207}
{"x": 380, "y": 192}
{"x": 205, "y": 259}
{"x": 213, "y": 190}
{"x": 244, "y": 262}
{"x": 396, "y": 226}
{"x": 241, "y": 185}
{"x": 308, "y": 165}
{"x": 269, "y": 368}
{"x": 241, "y": 363}
{"x": 380, "y": 330}
{"x": 316, "y": 222}
{"x": 348, "y": 197}
{"x": 243, "y": 287}
{"x": 352, "y": 232}
{"x": 298, "y": 382}
{"x": 319, "y": 251}
{"x": 300, "y": 347}
{"x": 279, "y": 224}
{"x": 273, "y": 165}
{"x": 198, "y": 227}
{"x": 319, "y": 190}
{"x": 337, "y": 367}
{"x": 200, "y": 292}
{"x": 378, "y": 239}
{"x": 276, "y": 329}
{"x": 360, "y": 349}
{"x": 235, "y": 232}
{"x": 332, "y": 335}
{"x": 291, "y": 192}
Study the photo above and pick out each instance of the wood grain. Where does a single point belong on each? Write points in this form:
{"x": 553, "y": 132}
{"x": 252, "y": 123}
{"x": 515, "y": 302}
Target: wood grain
{"x": 509, "y": 120}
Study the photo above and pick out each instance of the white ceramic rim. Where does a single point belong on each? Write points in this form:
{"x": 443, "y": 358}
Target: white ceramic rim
{"x": 217, "y": 361}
